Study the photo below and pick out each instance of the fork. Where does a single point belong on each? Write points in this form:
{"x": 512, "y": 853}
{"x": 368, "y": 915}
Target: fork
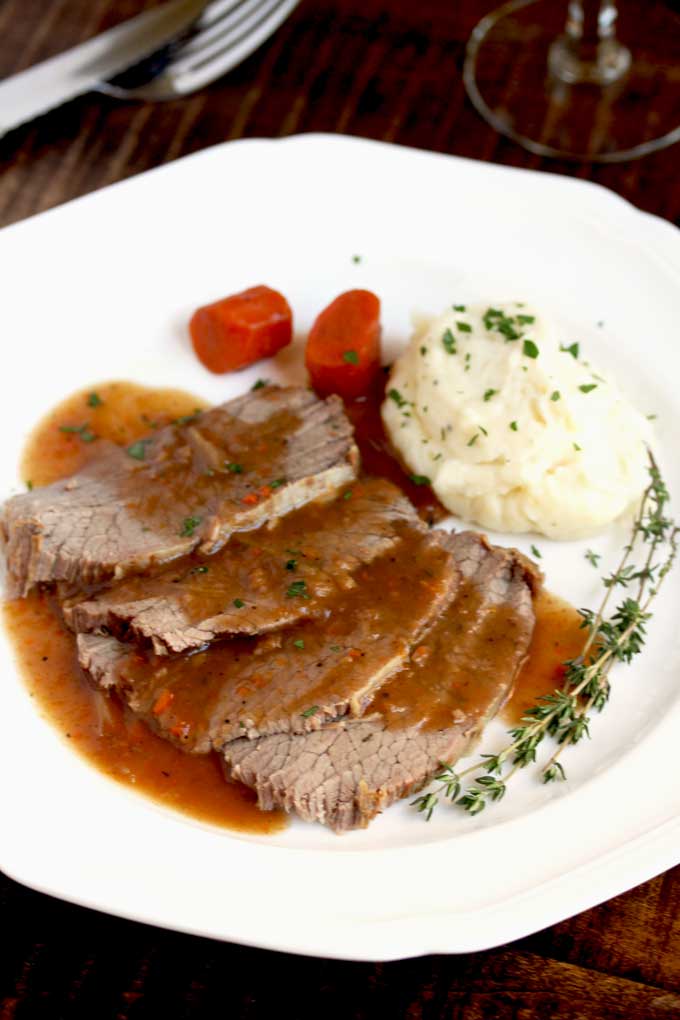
{"x": 224, "y": 35}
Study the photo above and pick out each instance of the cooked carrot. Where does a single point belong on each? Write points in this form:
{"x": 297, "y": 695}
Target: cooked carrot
{"x": 343, "y": 347}
{"x": 239, "y": 330}
{"x": 163, "y": 701}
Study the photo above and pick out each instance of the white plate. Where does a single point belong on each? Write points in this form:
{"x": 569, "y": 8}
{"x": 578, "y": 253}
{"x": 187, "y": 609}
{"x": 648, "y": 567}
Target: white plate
{"x": 103, "y": 287}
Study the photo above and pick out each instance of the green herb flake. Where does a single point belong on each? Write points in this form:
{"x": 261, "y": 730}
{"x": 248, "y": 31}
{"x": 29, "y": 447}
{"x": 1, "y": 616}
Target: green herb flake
{"x": 423, "y": 350}
{"x": 529, "y": 349}
{"x": 235, "y": 469}
{"x": 488, "y": 394}
{"x": 467, "y": 361}
{"x": 588, "y": 387}
{"x": 189, "y": 525}
{"x": 335, "y": 648}
{"x": 356, "y": 259}
{"x": 187, "y": 419}
{"x": 449, "y": 342}
{"x": 259, "y": 384}
{"x": 239, "y": 603}
{"x": 464, "y": 327}
{"x": 536, "y": 552}
{"x": 570, "y": 349}
{"x": 471, "y": 442}
{"x": 29, "y": 485}
{"x": 84, "y": 431}
{"x": 310, "y": 711}
{"x": 459, "y": 308}
{"x": 592, "y": 557}
{"x": 555, "y": 395}
{"x": 138, "y": 450}
{"x": 199, "y": 570}
{"x": 347, "y": 495}
{"x": 576, "y": 447}
{"x": 420, "y": 479}
{"x": 291, "y": 564}
{"x": 299, "y": 643}
{"x": 482, "y": 430}
{"x": 298, "y": 589}
{"x": 513, "y": 426}
{"x": 351, "y": 357}
{"x": 526, "y": 320}
{"x": 396, "y": 396}
{"x": 94, "y": 400}
{"x": 277, "y": 483}
{"x": 652, "y": 417}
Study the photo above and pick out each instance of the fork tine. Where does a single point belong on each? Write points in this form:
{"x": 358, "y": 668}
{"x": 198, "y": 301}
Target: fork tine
{"x": 231, "y": 16}
{"x": 223, "y": 34}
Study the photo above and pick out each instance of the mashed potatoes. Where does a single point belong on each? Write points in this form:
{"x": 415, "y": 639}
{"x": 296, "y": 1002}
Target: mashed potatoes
{"x": 514, "y": 431}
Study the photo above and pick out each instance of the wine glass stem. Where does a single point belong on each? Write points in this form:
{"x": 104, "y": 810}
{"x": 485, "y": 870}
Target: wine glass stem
{"x": 589, "y": 52}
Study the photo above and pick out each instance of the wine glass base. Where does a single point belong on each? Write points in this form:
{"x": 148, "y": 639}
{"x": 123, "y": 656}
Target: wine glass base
{"x": 521, "y": 77}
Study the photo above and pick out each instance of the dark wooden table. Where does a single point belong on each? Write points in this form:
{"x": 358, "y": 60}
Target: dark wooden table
{"x": 387, "y": 69}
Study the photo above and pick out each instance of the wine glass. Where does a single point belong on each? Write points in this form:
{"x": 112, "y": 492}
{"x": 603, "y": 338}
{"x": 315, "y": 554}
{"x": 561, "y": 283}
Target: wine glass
{"x": 579, "y": 88}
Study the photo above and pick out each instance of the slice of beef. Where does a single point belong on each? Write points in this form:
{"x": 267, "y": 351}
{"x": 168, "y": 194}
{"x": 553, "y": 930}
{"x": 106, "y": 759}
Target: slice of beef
{"x": 228, "y": 469}
{"x": 458, "y": 677}
{"x": 291, "y": 680}
{"x": 242, "y": 588}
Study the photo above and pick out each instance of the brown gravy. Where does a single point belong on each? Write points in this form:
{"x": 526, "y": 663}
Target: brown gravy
{"x": 99, "y": 727}
{"x": 557, "y": 637}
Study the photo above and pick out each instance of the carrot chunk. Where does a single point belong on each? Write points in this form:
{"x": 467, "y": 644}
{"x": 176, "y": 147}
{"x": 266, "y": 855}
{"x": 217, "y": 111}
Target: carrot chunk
{"x": 343, "y": 347}
{"x": 239, "y": 330}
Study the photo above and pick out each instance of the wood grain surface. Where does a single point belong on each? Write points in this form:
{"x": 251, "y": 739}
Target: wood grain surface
{"x": 386, "y": 69}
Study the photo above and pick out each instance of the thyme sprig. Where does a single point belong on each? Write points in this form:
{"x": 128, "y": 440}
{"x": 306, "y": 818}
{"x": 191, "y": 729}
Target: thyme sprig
{"x": 565, "y": 714}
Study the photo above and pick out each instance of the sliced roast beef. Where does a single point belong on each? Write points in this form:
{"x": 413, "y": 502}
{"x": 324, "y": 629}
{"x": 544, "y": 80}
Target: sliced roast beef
{"x": 458, "y": 676}
{"x": 291, "y": 680}
{"x": 243, "y": 588}
{"x": 187, "y": 486}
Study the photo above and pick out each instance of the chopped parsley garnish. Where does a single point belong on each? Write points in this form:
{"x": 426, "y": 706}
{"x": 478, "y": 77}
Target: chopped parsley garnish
{"x": 464, "y": 327}
{"x": 495, "y": 319}
{"x": 277, "y": 483}
{"x": 351, "y": 357}
{"x": 467, "y": 361}
{"x": 576, "y": 447}
{"x": 236, "y": 469}
{"x": 299, "y": 643}
{"x": 298, "y": 589}
{"x": 189, "y": 525}
{"x": 84, "y": 431}
{"x": 459, "y": 308}
{"x": 555, "y": 395}
{"x": 482, "y": 430}
{"x": 239, "y": 603}
{"x": 529, "y": 349}
{"x": 94, "y": 400}
{"x": 138, "y": 449}
{"x": 449, "y": 342}
{"x": 420, "y": 479}
{"x": 588, "y": 387}
{"x": 526, "y": 320}
{"x": 291, "y": 564}
{"x": 652, "y": 417}
{"x": 259, "y": 384}
{"x": 488, "y": 394}
{"x": 199, "y": 570}
{"x": 592, "y": 557}
{"x": 571, "y": 349}
{"x": 335, "y": 648}
{"x": 396, "y": 396}
{"x": 29, "y": 485}
{"x": 423, "y": 350}
{"x": 356, "y": 259}
{"x": 471, "y": 442}
{"x": 347, "y": 495}
{"x": 310, "y": 711}
{"x": 536, "y": 552}
{"x": 513, "y": 426}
